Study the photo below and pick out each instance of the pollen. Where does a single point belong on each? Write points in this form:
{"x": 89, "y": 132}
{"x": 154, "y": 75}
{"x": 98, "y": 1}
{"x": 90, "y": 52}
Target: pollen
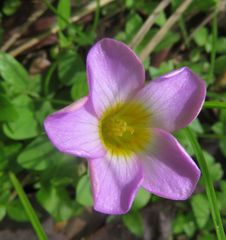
{"x": 125, "y": 128}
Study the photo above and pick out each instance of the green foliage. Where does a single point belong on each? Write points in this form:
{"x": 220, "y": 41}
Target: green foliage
{"x": 8, "y": 111}
{"x": 39, "y": 155}
{"x": 83, "y": 192}
{"x": 221, "y": 45}
{"x": 15, "y": 76}
{"x": 200, "y": 208}
{"x": 2, "y": 212}
{"x": 216, "y": 172}
{"x": 220, "y": 65}
{"x": 141, "y": 200}
{"x": 56, "y": 202}
{"x": 184, "y": 223}
{"x": 162, "y": 69}
{"x": 25, "y": 126}
{"x": 60, "y": 183}
{"x": 16, "y": 211}
{"x": 10, "y": 6}
{"x": 133, "y": 222}
{"x": 133, "y": 24}
{"x": 64, "y": 11}
{"x": 80, "y": 87}
{"x": 71, "y": 67}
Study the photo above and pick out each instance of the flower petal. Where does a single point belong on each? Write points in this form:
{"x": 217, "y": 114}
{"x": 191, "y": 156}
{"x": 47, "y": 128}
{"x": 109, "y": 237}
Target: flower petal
{"x": 175, "y": 99}
{"x": 114, "y": 72}
{"x": 114, "y": 183}
{"x": 169, "y": 171}
{"x": 74, "y": 130}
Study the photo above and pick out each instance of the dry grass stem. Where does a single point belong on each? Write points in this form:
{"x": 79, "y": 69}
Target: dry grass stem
{"x": 163, "y": 31}
{"x": 89, "y": 8}
{"x": 34, "y": 16}
{"x": 148, "y": 24}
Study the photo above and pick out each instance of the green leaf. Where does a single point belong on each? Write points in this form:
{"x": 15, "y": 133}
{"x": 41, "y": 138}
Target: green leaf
{"x": 195, "y": 55}
{"x": 182, "y": 138}
{"x": 64, "y": 10}
{"x": 200, "y": 208}
{"x": 45, "y": 109}
{"x": 216, "y": 172}
{"x": 168, "y": 41}
{"x": 25, "y": 126}
{"x": 223, "y": 186}
{"x": 129, "y": 3}
{"x": 10, "y": 6}
{"x": 56, "y": 201}
{"x": 133, "y": 222}
{"x": 200, "y": 5}
{"x": 5, "y": 186}
{"x": 81, "y": 37}
{"x": 200, "y": 37}
{"x": 178, "y": 224}
{"x": 16, "y": 211}
{"x": 222, "y": 145}
{"x": 13, "y": 73}
{"x": 220, "y": 65}
{"x": 222, "y": 196}
{"x": 207, "y": 236}
{"x": 141, "y": 200}
{"x": 3, "y": 160}
{"x": 83, "y": 191}
{"x": 2, "y": 212}
{"x": 64, "y": 41}
{"x": 160, "y": 20}
{"x": 184, "y": 223}
{"x": 8, "y": 155}
{"x": 80, "y": 87}
{"x": 165, "y": 67}
{"x": 64, "y": 170}
{"x": 28, "y": 209}
{"x": 189, "y": 228}
{"x": 12, "y": 150}
{"x": 196, "y": 126}
{"x": 8, "y": 111}
{"x": 39, "y": 155}
{"x": 70, "y": 65}
{"x": 133, "y": 24}
{"x": 221, "y": 45}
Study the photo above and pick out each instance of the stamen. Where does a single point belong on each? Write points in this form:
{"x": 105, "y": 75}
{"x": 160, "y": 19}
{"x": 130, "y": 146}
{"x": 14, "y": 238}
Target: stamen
{"x": 125, "y": 128}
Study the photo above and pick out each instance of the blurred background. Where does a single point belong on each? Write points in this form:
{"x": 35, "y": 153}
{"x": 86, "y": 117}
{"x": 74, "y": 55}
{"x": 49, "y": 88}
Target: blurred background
{"x": 43, "y": 45}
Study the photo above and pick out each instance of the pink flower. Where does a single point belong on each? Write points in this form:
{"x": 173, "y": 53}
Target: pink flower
{"x": 123, "y": 128}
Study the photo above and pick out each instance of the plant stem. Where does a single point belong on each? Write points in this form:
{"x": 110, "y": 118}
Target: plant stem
{"x": 215, "y": 104}
{"x": 97, "y": 15}
{"x": 28, "y": 207}
{"x": 211, "y": 195}
{"x": 184, "y": 31}
{"x": 214, "y": 40}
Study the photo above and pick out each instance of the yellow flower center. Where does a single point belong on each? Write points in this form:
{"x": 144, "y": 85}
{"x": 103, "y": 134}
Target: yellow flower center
{"x": 124, "y": 128}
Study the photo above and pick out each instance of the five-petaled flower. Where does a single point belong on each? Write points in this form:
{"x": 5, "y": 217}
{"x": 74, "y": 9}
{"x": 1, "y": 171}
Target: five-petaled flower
{"x": 123, "y": 128}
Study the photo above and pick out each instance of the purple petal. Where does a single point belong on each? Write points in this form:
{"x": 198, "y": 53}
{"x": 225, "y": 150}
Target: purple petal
{"x": 175, "y": 99}
{"x": 74, "y": 130}
{"x": 169, "y": 171}
{"x": 114, "y": 73}
{"x": 114, "y": 183}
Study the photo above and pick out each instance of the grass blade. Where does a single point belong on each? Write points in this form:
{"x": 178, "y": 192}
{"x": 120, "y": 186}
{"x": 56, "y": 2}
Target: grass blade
{"x": 215, "y": 104}
{"x": 211, "y": 195}
{"x": 28, "y": 208}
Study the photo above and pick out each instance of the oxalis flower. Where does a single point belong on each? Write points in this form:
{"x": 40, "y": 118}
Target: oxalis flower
{"x": 123, "y": 128}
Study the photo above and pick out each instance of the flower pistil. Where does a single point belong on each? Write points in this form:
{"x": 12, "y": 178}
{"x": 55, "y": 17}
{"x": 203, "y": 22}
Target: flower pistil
{"x": 124, "y": 128}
